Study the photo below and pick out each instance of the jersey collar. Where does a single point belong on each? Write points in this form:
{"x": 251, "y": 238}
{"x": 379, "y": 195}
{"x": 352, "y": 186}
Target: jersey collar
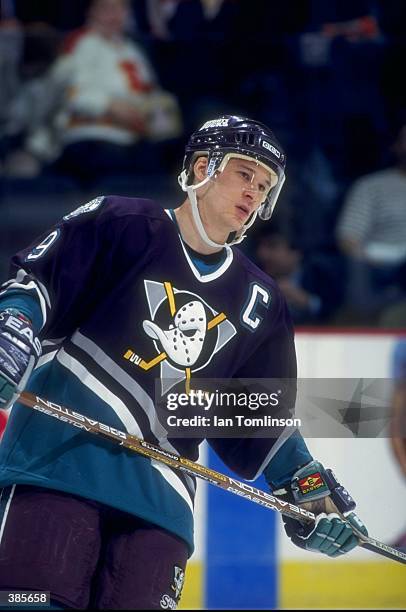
{"x": 216, "y": 270}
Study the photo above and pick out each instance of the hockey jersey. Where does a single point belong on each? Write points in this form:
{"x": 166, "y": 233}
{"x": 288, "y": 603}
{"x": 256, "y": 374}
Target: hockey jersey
{"x": 124, "y": 313}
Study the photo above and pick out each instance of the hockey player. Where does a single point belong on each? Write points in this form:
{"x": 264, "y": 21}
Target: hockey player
{"x": 116, "y": 295}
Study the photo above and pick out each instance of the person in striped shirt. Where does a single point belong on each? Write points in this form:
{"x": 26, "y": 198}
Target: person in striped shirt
{"x": 371, "y": 233}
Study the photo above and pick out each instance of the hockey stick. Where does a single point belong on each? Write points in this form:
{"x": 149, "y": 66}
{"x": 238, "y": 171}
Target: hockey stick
{"x": 195, "y": 469}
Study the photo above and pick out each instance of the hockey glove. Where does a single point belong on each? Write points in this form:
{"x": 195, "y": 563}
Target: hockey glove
{"x": 19, "y": 352}
{"x": 319, "y": 491}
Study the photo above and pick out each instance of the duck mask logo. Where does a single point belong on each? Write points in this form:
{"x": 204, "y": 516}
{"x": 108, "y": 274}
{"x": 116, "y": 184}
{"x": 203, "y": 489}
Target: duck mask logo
{"x": 185, "y": 330}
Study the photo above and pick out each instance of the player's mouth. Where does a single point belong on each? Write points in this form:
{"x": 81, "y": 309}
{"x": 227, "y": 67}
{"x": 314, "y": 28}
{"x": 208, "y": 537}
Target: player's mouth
{"x": 243, "y": 211}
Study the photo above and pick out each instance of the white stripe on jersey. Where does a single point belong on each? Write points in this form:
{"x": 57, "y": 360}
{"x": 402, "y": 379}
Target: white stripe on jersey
{"x": 19, "y": 277}
{"x": 45, "y": 292}
{"x": 132, "y": 387}
{"x": 6, "y": 511}
{"x": 45, "y": 359}
{"x": 53, "y": 342}
{"x": 21, "y": 274}
{"x": 49, "y": 350}
{"x": 174, "y": 481}
{"x": 42, "y": 293}
{"x": 125, "y": 380}
{"x": 87, "y": 379}
{"x": 206, "y": 278}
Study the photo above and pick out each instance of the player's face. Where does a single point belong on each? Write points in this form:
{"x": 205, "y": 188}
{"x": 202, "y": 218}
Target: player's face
{"x": 234, "y": 195}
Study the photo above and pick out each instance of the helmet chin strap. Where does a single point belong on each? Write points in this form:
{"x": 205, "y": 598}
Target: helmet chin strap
{"x": 191, "y": 192}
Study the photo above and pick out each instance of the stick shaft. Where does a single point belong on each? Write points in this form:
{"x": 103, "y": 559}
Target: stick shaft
{"x": 147, "y": 449}
{"x": 218, "y": 479}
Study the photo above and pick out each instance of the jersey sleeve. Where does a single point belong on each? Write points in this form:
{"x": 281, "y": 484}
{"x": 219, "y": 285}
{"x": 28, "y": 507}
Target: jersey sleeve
{"x": 292, "y": 455}
{"x": 72, "y": 266}
{"x": 274, "y": 360}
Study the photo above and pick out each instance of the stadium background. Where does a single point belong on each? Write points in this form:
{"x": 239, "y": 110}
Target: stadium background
{"x": 328, "y": 78}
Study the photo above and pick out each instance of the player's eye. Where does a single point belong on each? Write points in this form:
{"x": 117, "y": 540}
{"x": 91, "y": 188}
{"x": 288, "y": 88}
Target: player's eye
{"x": 245, "y": 175}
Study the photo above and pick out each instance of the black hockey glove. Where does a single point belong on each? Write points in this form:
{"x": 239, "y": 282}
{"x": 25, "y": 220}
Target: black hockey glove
{"x": 19, "y": 352}
{"x": 319, "y": 491}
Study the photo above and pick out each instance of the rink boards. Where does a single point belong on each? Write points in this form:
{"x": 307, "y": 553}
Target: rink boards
{"x": 243, "y": 559}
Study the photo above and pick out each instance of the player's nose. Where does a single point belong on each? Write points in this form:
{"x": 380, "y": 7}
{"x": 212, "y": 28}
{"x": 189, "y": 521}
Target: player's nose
{"x": 251, "y": 195}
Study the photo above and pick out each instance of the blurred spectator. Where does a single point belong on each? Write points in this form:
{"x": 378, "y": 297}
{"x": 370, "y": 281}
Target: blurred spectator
{"x": 339, "y": 66}
{"x": 108, "y": 114}
{"x": 183, "y": 19}
{"x": 11, "y": 43}
{"x": 31, "y": 103}
{"x": 194, "y": 33}
{"x": 26, "y": 50}
{"x": 308, "y": 283}
{"x": 353, "y": 22}
{"x": 371, "y": 232}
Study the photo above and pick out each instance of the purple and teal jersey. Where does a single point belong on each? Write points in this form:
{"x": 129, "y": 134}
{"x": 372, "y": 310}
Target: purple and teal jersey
{"x": 119, "y": 302}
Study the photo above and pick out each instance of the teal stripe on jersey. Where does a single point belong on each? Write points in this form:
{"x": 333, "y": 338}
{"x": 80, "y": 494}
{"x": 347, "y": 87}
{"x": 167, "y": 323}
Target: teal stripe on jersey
{"x": 204, "y": 267}
{"x": 65, "y": 458}
{"x": 26, "y": 304}
{"x": 291, "y": 455}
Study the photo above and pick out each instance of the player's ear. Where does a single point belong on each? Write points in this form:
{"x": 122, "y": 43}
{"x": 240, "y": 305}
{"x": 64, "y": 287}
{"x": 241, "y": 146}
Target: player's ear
{"x": 200, "y": 169}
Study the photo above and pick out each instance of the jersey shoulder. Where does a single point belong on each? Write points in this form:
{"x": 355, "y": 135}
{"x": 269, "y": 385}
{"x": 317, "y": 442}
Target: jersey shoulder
{"x": 121, "y": 206}
{"x": 254, "y": 273}
{"x": 107, "y": 208}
